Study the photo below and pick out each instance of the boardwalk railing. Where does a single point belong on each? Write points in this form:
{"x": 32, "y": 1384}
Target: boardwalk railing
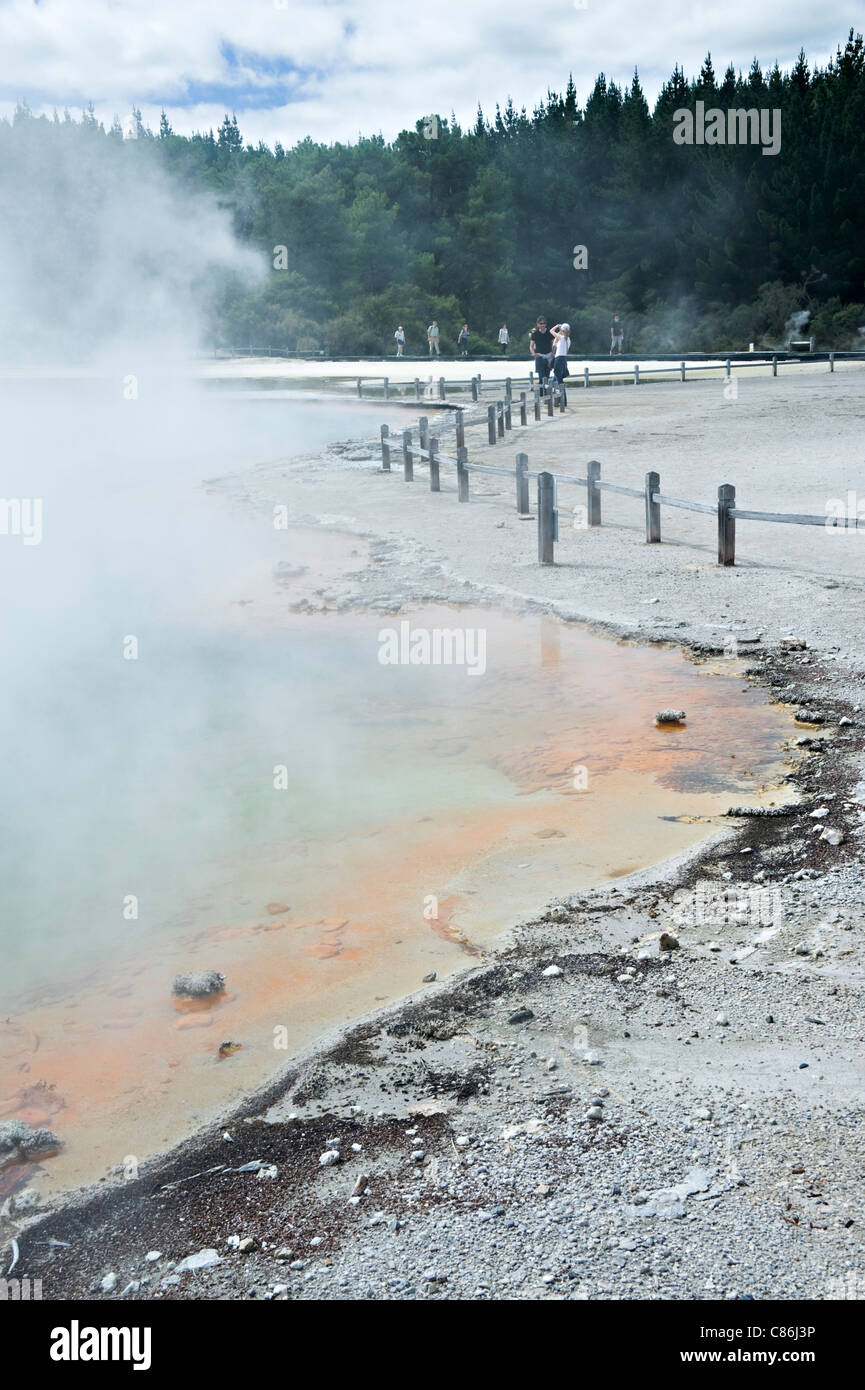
{"x": 439, "y": 388}
{"x": 724, "y": 509}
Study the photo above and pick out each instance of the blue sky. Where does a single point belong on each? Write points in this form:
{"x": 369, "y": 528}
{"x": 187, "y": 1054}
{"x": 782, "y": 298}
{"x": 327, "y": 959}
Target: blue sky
{"x": 335, "y": 68}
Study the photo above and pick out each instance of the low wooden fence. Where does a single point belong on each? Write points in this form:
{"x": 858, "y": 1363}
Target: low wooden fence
{"x": 500, "y": 419}
{"x": 434, "y": 389}
{"x": 724, "y": 509}
{"x": 439, "y": 388}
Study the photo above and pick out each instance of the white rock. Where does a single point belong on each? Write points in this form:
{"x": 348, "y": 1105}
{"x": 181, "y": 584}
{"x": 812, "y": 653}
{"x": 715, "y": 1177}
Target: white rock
{"x": 832, "y": 836}
{"x": 552, "y": 971}
{"x": 722, "y": 1019}
{"x": 202, "y": 1260}
{"x": 109, "y": 1283}
{"x": 153, "y": 1255}
{"x": 328, "y": 1158}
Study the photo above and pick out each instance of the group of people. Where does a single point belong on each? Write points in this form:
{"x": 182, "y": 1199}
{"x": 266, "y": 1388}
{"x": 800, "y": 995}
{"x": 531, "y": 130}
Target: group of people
{"x": 433, "y": 335}
{"x": 549, "y": 346}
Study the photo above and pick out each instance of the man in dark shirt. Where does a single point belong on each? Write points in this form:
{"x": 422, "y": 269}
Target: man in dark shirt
{"x": 541, "y": 348}
{"x": 617, "y": 335}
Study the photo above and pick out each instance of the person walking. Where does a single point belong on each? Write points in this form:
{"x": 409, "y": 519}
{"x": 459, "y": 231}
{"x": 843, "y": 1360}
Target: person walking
{"x": 400, "y": 340}
{"x": 504, "y": 338}
{"x": 541, "y": 348}
{"x": 463, "y": 340}
{"x": 617, "y": 335}
{"x": 432, "y": 337}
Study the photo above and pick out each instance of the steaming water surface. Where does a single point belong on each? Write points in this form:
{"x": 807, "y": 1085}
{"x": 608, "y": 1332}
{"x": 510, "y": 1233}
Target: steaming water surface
{"x": 255, "y": 792}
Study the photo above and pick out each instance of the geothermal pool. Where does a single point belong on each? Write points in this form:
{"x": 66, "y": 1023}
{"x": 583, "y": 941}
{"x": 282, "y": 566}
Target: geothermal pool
{"x": 255, "y": 791}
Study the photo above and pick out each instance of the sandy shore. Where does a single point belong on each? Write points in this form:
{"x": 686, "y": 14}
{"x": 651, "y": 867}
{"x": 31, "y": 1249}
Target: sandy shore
{"x": 583, "y": 1115}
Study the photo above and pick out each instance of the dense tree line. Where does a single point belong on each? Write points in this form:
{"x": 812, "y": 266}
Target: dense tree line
{"x": 696, "y": 247}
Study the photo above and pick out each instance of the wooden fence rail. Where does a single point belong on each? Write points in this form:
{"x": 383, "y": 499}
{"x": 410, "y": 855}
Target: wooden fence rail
{"x": 725, "y": 509}
{"x": 439, "y": 388}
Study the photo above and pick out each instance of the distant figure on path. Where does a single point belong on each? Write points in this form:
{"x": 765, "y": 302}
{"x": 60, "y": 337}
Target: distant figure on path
{"x": 617, "y": 335}
{"x": 541, "y": 348}
{"x": 561, "y": 348}
{"x": 432, "y": 335}
{"x": 400, "y": 340}
{"x": 504, "y": 338}
{"x": 463, "y": 340}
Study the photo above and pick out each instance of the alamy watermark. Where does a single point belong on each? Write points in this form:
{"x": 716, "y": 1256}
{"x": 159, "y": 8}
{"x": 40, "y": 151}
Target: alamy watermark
{"x": 738, "y": 127}
{"x": 720, "y": 905}
{"x": 438, "y": 646}
{"x": 22, "y": 516}
{"x": 846, "y": 515}
{"x": 20, "y": 1290}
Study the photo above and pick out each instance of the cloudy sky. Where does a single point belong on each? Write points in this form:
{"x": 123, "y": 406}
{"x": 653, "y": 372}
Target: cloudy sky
{"x": 335, "y": 68}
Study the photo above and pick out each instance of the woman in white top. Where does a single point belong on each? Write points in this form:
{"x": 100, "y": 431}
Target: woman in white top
{"x": 561, "y": 348}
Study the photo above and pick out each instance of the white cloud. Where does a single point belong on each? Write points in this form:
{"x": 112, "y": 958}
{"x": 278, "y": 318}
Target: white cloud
{"x": 374, "y": 65}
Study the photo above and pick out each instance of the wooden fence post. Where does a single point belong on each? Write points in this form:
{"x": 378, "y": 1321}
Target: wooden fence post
{"x": 474, "y": 388}
{"x": 774, "y": 366}
{"x": 546, "y": 518}
{"x": 360, "y": 386}
{"x": 461, "y": 428}
{"x": 417, "y": 388}
{"x": 508, "y": 388}
{"x": 549, "y": 400}
{"x": 385, "y": 449}
{"x": 462, "y": 474}
{"x": 442, "y": 396}
{"x": 434, "y": 484}
{"x": 653, "y": 509}
{"x": 636, "y": 374}
{"x": 537, "y": 395}
{"x": 491, "y": 424}
{"x": 726, "y": 525}
{"x": 423, "y": 432}
{"x": 500, "y": 419}
{"x": 682, "y": 369}
{"x": 523, "y": 416}
{"x": 593, "y": 496}
{"x": 727, "y": 367}
{"x": 831, "y": 361}
{"x": 507, "y": 413}
{"x": 522, "y": 472}
{"x": 407, "y": 457}
{"x": 586, "y": 377}
{"x": 386, "y": 388}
